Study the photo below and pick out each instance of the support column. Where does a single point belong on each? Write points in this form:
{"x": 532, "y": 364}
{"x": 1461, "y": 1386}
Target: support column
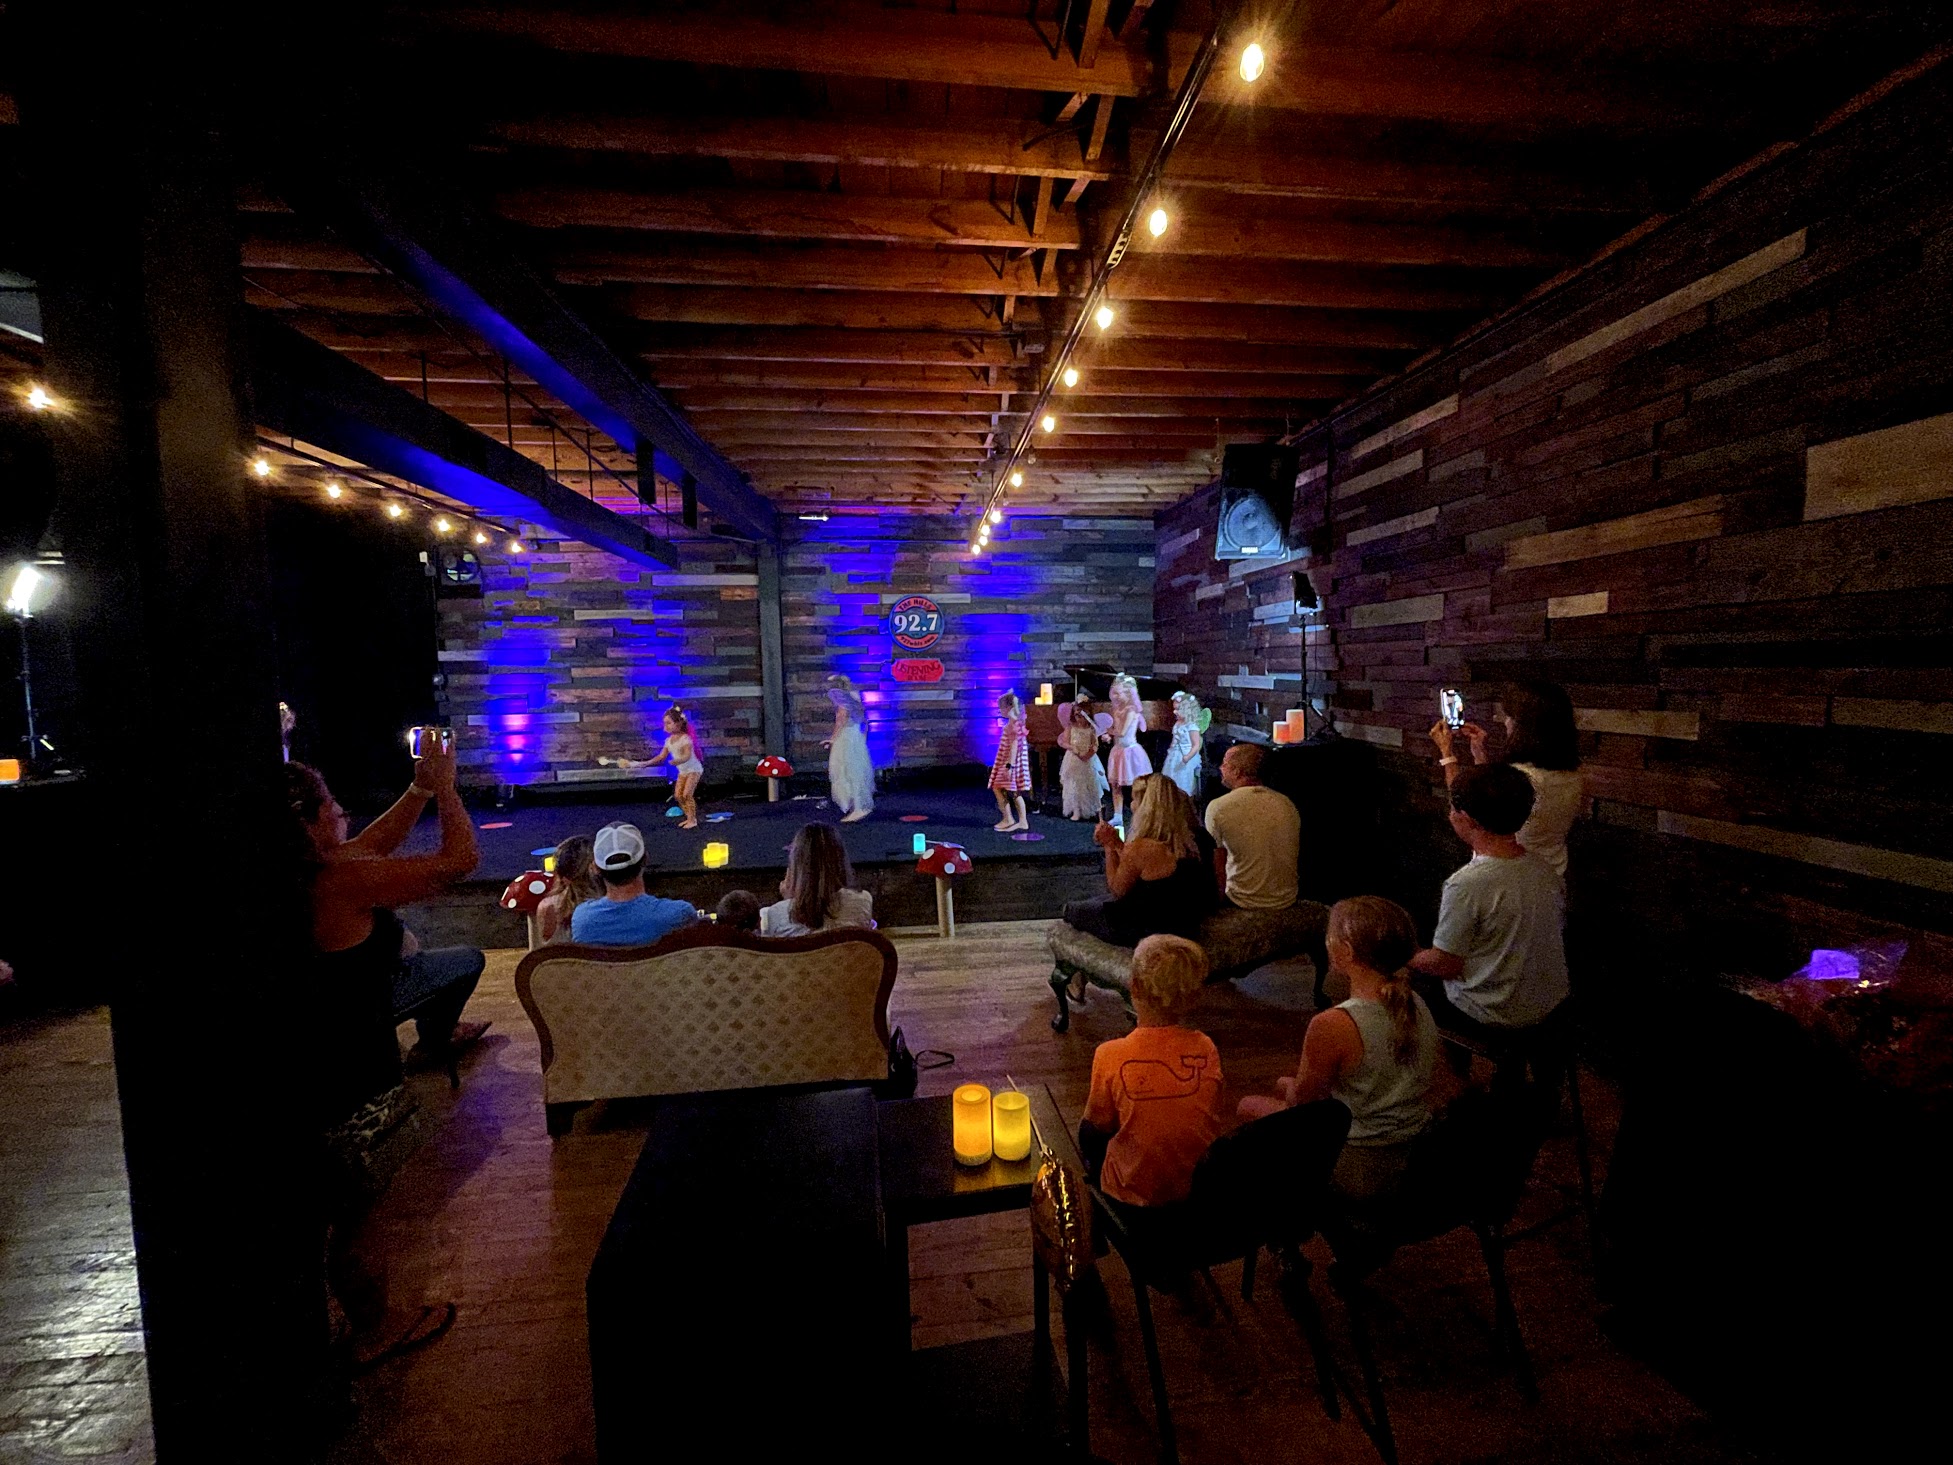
{"x": 131, "y": 217}
{"x": 774, "y": 732}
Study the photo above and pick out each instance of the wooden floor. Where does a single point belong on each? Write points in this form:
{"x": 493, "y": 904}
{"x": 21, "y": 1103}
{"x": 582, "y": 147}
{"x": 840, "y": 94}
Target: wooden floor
{"x": 494, "y": 1216}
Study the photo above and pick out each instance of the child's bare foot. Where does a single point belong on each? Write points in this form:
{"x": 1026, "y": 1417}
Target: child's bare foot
{"x": 857, "y": 815}
{"x": 689, "y": 824}
{"x": 1003, "y": 826}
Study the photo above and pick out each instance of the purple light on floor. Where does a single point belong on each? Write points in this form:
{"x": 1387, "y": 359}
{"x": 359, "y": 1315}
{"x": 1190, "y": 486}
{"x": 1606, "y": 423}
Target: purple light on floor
{"x": 1027, "y": 836}
{"x": 1832, "y": 966}
{"x": 500, "y": 824}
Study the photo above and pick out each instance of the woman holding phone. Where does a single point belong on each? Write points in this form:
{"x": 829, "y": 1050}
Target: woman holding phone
{"x": 1542, "y": 742}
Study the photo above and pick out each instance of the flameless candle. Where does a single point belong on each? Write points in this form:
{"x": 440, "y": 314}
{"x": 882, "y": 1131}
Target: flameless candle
{"x": 1010, "y": 1124}
{"x": 1044, "y": 694}
{"x": 970, "y": 1131}
{"x": 9, "y": 770}
{"x": 1284, "y": 733}
{"x": 1298, "y": 724}
{"x": 549, "y": 864}
{"x": 920, "y": 844}
{"x": 717, "y": 856}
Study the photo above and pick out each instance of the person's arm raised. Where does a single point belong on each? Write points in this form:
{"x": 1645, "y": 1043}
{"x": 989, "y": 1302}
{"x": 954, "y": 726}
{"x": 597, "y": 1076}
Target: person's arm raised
{"x": 384, "y": 835}
{"x": 361, "y": 879}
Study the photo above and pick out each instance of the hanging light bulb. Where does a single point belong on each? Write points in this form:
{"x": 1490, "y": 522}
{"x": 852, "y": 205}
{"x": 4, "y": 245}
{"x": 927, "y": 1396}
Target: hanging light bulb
{"x": 1070, "y": 377}
{"x": 1253, "y": 59}
{"x": 394, "y": 511}
{"x": 1156, "y": 222}
{"x": 1049, "y": 423}
{"x": 1103, "y": 315}
{"x": 261, "y": 467}
{"x": 515, "y": 546}
{"x": 39, "y": 398}
{"x": 334, "y": 491}
{"x": 996, "y": 516}
{"x": 442, "y": 525}
{"x": 977, "y": 548}
{"x": 480, "y": 538}
{"x": 1016, "y": 480}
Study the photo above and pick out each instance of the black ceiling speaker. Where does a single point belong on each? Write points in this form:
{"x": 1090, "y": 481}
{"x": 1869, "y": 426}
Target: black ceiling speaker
{"x": 1257, "y": 497}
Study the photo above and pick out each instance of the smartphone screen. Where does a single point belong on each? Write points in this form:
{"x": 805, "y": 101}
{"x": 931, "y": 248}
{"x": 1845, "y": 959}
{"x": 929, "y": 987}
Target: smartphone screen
{"x": 1451, "y": 707}
{"x": 413, "y": 740}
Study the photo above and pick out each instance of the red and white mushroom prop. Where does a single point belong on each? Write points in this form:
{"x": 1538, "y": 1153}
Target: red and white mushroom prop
{"x": 773, "y": 769}
{"x": 946, "y": 862}
{"x": 525, "y": 894}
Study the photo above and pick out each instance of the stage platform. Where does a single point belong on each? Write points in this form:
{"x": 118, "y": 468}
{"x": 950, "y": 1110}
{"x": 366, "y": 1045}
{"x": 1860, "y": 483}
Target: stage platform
{"x": 1014, "y": 879}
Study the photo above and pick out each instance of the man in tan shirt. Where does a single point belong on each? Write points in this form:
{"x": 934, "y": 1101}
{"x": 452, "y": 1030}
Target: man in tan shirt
{"x": 1259, "y": 834}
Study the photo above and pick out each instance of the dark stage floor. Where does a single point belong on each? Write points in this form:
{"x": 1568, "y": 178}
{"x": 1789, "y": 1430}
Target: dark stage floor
{"x": 758, "y": 832}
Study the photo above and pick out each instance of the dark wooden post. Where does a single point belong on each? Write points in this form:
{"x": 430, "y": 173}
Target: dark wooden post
{"x": 775, "y": 736}
{"x": 131, "y": 213}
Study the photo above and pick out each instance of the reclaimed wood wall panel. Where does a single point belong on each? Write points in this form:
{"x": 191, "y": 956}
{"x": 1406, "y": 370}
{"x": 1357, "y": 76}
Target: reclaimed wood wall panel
{"x": 1707, "y": 485}
{"x": 1050, "y": 592}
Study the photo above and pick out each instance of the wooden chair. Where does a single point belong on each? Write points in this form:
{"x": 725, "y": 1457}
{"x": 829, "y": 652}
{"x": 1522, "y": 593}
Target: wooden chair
{"x": 1265, "y": 1185}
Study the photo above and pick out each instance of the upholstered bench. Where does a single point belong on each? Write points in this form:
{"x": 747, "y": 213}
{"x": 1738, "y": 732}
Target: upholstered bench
{"x": 1236, "y": 942}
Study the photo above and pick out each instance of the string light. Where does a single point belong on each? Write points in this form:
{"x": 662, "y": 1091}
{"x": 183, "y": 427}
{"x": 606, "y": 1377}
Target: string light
{"x": 1156, "y": 222}
{"x": 261, "y": 467}
{"x": 334, "y": 491}
{"x": 1071, "y": 376}
{"x": 442, "y": 526}
{"x": 480, "y": 538}
{"x": 515, "y": 546}
{"x": 1104, "y": 317}
{"x": 39, "y": 398}
{"x": 1253, "y": 59}
{"x": 394, "y": 511}
{"x": 996, "y": 516}
{"x": 1016, "y": 480}
{"x": 1049, "y": 423}
{"x": 977, "y": 548}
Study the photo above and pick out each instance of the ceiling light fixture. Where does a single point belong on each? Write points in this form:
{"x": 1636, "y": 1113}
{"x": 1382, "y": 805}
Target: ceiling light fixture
{"x": 394, "y": 511}
{"x": 1071, "y": 376}
{"x": 1016, "y": 480}
{"x": 1156, "y": 222}
{"x": 442, "y": 526}
{"x": 1104, "y": 316}
{"x": 39, "y": 398}
{"x": 1048, "y": 423}
{"x": 333, "y": 490}
{"x": 261, "y": 467}
{"x": 480, "y": 538}
{"x": 515, "y": 546}
{"x": 996, "y": 516}
{"x": 1253, "y": 59}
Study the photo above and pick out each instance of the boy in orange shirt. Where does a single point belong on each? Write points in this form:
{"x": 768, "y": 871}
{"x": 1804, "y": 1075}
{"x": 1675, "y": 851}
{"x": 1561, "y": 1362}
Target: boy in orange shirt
{"x": 1155, "y": 1104}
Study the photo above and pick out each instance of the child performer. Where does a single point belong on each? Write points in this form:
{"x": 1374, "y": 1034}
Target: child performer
{"x": 1127, "y": 761}
{"x": 1010, "y": 772}
{"x": 1082, "y": 776}
{"x": 682, "y": 754}
{"x": 850, "y": 772}
{"x": 1183, "y": 757}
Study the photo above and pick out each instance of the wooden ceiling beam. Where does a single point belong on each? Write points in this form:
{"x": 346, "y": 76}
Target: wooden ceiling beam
{"x": 1000, "y": 146}
{"x": 1115, "y": 352}
{"x": 911, "y": 45}
{"x": 847, "y": 310}
{"x": 1311, "y": 386}
{"x": 786, "y": 214}
{"x": 809, "y": 424}
{"x": 802, "y": 267}
{"x": 734, "y": 399}
{"x": 1258, "y": 235}
{"x": 892, "y": 348}
{"x": 1284, "y": 283}
{"x": 680, "y": 374}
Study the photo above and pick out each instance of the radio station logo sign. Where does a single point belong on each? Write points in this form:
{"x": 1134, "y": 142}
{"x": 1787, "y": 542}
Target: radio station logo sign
{"x": 916, "y": 622}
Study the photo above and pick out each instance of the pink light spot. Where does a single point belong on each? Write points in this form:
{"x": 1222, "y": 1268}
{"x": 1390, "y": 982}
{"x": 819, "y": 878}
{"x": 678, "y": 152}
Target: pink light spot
{"x": 500, "y": 824}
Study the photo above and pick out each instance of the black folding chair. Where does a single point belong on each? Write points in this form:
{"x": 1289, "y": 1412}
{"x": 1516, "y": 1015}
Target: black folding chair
{"x": 1264, "y": 1185}
{"x": 1469, "y": 1169}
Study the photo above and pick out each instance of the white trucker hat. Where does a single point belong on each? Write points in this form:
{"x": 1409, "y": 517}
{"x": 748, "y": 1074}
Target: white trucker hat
{"x": 618, "y": 847}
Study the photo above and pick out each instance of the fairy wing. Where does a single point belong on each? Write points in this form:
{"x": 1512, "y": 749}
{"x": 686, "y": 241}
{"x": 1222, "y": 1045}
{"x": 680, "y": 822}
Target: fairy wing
{"x": 1205, "y": 720}
{"x": 1064, "y": 714}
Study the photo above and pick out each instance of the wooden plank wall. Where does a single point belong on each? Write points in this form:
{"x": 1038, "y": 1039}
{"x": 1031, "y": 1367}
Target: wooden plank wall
{"x": 1707, "y": 485}
{"x": 1049, "y": 592}
{"x": 571, "y": 654}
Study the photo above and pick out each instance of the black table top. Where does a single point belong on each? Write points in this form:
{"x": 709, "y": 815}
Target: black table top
{"x": 921, "y": 1180}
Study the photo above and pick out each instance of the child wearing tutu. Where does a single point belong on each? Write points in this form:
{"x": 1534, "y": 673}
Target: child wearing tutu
{"x": 682, "y": 753}
{"x": 1010, "y": 771}
{"x": 1183, "y": 756}
{"x": 1127, "y": 762}
{"x": 850, "y": 771}
{"x": 1082, "y": 776}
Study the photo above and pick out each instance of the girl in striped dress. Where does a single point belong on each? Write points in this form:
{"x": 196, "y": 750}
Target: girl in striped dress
{"x": 1010, "y": 771}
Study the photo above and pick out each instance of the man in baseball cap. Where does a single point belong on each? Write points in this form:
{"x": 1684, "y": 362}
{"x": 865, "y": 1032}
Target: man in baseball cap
{"x": 625, "y": 915}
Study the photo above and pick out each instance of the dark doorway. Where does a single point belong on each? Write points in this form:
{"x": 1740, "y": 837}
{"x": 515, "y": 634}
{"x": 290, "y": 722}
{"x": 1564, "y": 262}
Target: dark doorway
{"x": 353, "y": 608}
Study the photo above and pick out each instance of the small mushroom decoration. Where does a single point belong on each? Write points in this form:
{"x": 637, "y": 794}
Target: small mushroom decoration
{"x": 773, "y": 769}
{"x": 946, "y": 862}
{"x": 525, "y": 894}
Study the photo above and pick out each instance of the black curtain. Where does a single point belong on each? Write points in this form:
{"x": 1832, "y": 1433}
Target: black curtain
{"x": 353, "y": 608}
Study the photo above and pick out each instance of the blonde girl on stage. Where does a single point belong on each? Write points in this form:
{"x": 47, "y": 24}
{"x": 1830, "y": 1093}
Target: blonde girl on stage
{"x": 1010, "y": 771}
{"x": 1183, "y": 756}
{"x": 682, "y": 753}
{"x": 850, "y": 771}
{"x": 1127, "y": 762}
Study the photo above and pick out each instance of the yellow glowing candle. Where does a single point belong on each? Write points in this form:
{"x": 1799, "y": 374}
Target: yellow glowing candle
{"x": 549, "y": 864}
{"x": 970, "y": 1131}
{"x": 1044, "y": 694}
{"x": 9, "y": 770}
{"x": 1010, "y": 1124}
{"x": 1284, "y": 733}
{"x": 1298, "y": 724}
{"x": 717, "y": 856}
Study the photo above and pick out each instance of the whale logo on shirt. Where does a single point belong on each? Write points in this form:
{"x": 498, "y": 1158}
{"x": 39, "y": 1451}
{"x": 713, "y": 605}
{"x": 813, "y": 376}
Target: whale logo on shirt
{"x": 1152, "y": 1078}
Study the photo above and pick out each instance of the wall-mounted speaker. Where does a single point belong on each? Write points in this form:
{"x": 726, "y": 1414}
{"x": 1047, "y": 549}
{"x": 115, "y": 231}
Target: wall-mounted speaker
{"x": 1257, "y": 497}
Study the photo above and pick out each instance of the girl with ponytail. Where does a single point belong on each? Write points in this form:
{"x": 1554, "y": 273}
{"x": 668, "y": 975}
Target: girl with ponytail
{"x": 1374, "y": 1053}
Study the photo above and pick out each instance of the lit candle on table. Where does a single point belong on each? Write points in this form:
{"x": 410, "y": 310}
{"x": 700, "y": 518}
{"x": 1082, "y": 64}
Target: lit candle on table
{"x": 970, "y": 1130}
{"x": 1010, "y": 1125}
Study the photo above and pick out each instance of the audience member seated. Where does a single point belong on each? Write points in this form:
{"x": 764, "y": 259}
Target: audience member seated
{"x": 1498, "y": 948}
{"x": 1542, "y": 742}
{"x": 818, "y": 889}
{"x": 1259, "y": 833}
{"x": 1159, "y": 880}
{"x": 363, "y": 947}
{"x": 624, "y": 915}
{"x": 739, "y": 910}
{"x": 576, "y": 881}
{"x": 1155, "y": 1102}
{"x": 1374, "y": 1054}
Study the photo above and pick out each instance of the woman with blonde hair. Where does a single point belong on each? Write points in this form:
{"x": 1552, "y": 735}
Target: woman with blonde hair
{"x": 818, "y": 890}
{"x": 1374, "y": 1053}
{"x": 1159, "y": 880}
{"x": 577, "y": 880}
